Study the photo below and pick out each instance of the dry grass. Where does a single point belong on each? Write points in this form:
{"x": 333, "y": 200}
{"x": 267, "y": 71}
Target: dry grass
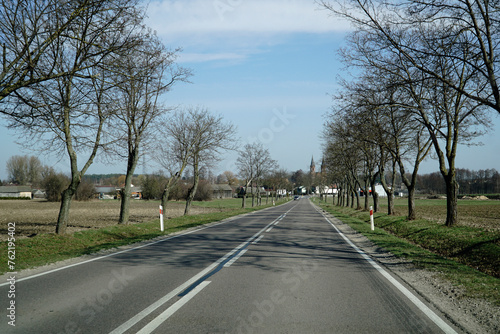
{"x": 38, "y": 216}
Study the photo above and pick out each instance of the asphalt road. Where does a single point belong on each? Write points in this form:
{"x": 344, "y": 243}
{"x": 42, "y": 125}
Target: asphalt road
{"x": 280, "y": 270}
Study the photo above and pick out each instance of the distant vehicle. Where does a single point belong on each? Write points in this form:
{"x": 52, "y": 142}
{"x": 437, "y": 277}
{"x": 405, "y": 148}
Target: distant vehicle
{"x": 296, "y": 197}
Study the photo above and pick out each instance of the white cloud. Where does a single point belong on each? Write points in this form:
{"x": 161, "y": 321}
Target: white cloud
{"x": 176, "y": 18}
{"x": 203, "y": 57}
{"x": 234, "y": 30}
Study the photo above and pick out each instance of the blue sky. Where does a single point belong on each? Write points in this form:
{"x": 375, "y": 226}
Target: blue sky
{"x": 266, "y": 66}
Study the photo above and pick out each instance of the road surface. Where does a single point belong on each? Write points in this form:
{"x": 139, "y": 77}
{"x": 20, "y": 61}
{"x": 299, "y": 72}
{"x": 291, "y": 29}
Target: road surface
{"x": 286, "y": 269}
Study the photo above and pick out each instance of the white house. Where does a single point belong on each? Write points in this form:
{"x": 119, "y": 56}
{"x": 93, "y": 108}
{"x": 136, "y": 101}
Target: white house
{"x": 326, "y": 190}
{"x": 378, "y": 188}
{"x": 281, "y": 192}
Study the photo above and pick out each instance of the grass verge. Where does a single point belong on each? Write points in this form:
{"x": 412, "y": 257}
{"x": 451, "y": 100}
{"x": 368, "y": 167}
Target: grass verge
{"x": 49, "y": 248}
{"x": 453, "y": 253}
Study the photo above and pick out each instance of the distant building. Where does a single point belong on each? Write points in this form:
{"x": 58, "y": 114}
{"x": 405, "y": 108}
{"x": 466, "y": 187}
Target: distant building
{"x": 38, "y": 193}
{"x": 301, "y": 190}
{"x": 250, "y": 190}
{"x": 110, "y": 192}
{"x": 318, "y": 179}
{"x": 378, "y": 188}
{"x": 281, "y": 192}
{"x": 15, "y": 191}
{"x": 221, "y": 191}
{"x": 326, "y": 190}
{"x": 106, "y": 189}
{"x": 312, "y": 167}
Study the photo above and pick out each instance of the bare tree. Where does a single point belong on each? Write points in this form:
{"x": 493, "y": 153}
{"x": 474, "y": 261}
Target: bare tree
{"x": 69, "y": 112}
{"x": 17, "y": 167}
{"x": 246, "y": 168}
{"x": 230, "y": 178}
{"x": 28, "y": 28}
{"x": 24, "y": 170}
{"x": 470, "y": 28}
{"x": 143, "y": 75}
{"x": 253, "y": 162}
{"x": 213, "y": 137}
{"x": 401, "y": 137}
{"x": 31, "y": 33}
{"x": 180, "y": 135}
{"x": 279, "y": 179}
{"x": 263, "y": 166}
{"x": 350, "y": 130}
{"x": 435, "y": 68}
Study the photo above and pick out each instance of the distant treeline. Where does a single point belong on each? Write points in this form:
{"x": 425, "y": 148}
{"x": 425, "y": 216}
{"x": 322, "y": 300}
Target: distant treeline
{"x": 471, "y": 182}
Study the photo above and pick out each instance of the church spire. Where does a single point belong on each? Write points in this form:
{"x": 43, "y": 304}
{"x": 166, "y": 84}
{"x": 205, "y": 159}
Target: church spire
{"x": 312, "y": 168}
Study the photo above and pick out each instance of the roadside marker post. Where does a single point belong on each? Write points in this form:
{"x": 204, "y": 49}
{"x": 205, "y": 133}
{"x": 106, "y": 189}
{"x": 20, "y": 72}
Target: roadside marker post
{"x": 161, "y": 218}
{"x": 371, "y": 219}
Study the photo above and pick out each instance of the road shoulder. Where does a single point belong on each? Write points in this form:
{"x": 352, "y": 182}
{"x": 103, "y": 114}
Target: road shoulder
{"x": 472, "y": 315}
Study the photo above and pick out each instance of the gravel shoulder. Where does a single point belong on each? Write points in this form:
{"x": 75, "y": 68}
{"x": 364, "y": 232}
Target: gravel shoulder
{"x": 469, "y": 314}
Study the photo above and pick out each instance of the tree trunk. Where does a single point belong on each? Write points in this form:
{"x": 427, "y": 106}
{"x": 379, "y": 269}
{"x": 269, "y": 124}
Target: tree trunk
{"x": 125, "y": 194}
{"x": 389, "y": 190}
{"x": 258, "y": 196}
{"x": 357, "y": 186}
{"x": 452, "y": 188}
{"x": 411, "y": 204}
{"x": 367, "y": 197}
{"x": 127, "y": 189}
{"x": 192, "y": 191}
{"x": 375, "y": 197}
{"x": 340, "y": 199}
{"x": 164, "y": 197}
{"x": 358, "y": 202}
{"x": 125, "y": 200}
{"x": 243, "y": 204}
{"x": 347, "y": 196}
{"x": 76, "y": 176}
{"x": 390, "y": 203}
{"x": 62, "y": 219}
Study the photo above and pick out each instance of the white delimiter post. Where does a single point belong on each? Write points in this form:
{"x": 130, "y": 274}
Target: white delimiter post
{"x": 371, "y": 218}
{"x": 161, "y": 218}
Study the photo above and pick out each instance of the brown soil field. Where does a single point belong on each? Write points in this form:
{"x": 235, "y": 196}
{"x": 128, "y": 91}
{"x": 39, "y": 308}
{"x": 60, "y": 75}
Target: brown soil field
{"x": 39, "y": 216}
{"x": 478, "y": 214}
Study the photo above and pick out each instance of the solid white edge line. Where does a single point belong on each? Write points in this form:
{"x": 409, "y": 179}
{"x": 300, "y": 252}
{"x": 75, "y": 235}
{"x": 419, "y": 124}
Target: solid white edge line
{"x": 156, "y": 322}
{"x": 419, "y": 304}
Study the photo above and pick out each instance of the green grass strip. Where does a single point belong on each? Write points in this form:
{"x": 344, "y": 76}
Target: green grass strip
{"x": 453, "y": 253}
